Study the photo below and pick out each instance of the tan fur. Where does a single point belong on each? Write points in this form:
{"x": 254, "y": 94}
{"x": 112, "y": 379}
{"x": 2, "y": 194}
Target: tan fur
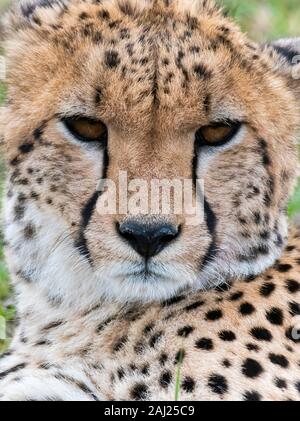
{"x": 154, "y": 72}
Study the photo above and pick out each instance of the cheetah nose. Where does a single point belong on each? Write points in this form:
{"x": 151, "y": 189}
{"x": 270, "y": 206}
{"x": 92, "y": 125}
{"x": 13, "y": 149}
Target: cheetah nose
{"x": 148, "y": 240}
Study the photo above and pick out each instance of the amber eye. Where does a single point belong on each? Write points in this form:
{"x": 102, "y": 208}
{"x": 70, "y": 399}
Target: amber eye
{"x": 217, "y": 134}
{"x": 86, "y": 129}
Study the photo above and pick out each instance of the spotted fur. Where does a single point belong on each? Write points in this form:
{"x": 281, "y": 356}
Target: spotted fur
{"x": 94, "y": 325}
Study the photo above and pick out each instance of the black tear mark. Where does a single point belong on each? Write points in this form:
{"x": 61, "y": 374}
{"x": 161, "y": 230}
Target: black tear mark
{"x": 210, "y": 217}
{"x": 28, "y": 9}
{"x": 211, "y": 222}
{"x": 87, "y": 213}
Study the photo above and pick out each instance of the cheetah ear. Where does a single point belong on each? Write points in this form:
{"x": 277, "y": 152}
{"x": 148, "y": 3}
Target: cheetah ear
{"x": 285, "y": 55}
{"x": 28, "y": 7}
{"x": 24, "y": 13}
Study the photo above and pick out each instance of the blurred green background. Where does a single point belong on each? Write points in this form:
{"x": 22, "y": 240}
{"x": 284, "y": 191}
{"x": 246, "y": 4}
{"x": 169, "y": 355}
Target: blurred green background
{"x": 263, "y": 20}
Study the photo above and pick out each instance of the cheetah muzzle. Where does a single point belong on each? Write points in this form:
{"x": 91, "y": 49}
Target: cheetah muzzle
{"x": 154, "y": 90}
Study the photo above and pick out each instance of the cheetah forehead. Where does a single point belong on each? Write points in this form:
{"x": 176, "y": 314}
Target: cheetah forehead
{"x": 130, "y": 7}
{"x": 193, "y": 7}
{"x": 48, "y": 11}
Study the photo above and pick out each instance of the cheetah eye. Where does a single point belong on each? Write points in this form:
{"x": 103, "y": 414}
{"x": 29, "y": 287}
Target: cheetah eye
{"x": 86, "y": 129}
{"x": 217, "y": 134}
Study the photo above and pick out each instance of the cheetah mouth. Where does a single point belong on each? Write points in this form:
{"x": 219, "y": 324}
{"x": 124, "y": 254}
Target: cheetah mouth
{"x": 147, "y": 272}
{"x": 145, "y": 275}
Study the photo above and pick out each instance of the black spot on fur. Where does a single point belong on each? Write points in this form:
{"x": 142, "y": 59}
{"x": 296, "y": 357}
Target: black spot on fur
{"x": 236, "y": 296}
{"x": 204, "y": 343}
{"x": 252, "y": 396}
{"x": 29, "y": 232}
{"x": 121, "y": 373}
{"x": 202, "y": 72}
{"x": 148, "y": 328}
{"x": 126, "y": 8}
{"x": 145, "y": 369}
{"x": 43, "y": 342}
{"x": 83, "y": 16}
{"x": 294, "y": 309}
{"x": 261, "y": 334}
{"x": 185, "y": 331}
{"x": 226, "y": 363}
{"x": 252, "y": 347}
{"x": 139, "y": 347}
{"x": 14, "y": 369}
{"x": 104, "y": 14}
{"x": 218, "y": 384}
{"x": 173, "y": 301}
{"x": 279, "y": 360}
{"x": 283, "y": 268}
{"x": 139, "y": 392}
{"x": 188, "y": 385}
{"x": 293, "y": 286}
{"x": 214, "y": 315}
{"x": 280, "y": 383}
{"x": 165, "y": 379}
{"x": 267, "y": 289}
{"x": 163, "y": 359}
{"x": 104, "y": 324}
{"x": 52, "y": 325}
{"x": 227, "y": 336}
{"x": 120, "y": 343}
{"x": 251, "y": 368}
{"x": 275, "y": 316}
{"x": 15, "y": 161}
{"x": 246, "y": 309}
{"x": 19, "y": 211}
{"x": 112, "y": 59}
{"x": 155, "y": 339}
{"x": 194, "y": 306}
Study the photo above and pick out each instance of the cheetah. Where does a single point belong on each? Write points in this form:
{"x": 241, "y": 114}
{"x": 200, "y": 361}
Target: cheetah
{"x": 122, "y": 306}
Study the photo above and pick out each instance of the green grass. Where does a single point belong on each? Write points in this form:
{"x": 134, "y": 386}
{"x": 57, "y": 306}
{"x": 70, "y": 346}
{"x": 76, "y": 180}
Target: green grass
{"x": 7, "y": 312}
{"x": 264, "y": 21}
{"x": 178, "y": 375}
{"x": 2, "y": 92}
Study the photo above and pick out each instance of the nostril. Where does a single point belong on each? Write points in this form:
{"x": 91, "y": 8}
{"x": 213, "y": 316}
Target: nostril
{"x": 168, "y": 233}
{"x": 148, "y": 239}
{"x": 124, "y": 231}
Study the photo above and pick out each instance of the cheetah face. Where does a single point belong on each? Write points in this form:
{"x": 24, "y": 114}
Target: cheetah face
{"x": 157, "y": 91}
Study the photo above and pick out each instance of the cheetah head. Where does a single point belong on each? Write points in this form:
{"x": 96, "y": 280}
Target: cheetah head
{"x": 154, "y": 90}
